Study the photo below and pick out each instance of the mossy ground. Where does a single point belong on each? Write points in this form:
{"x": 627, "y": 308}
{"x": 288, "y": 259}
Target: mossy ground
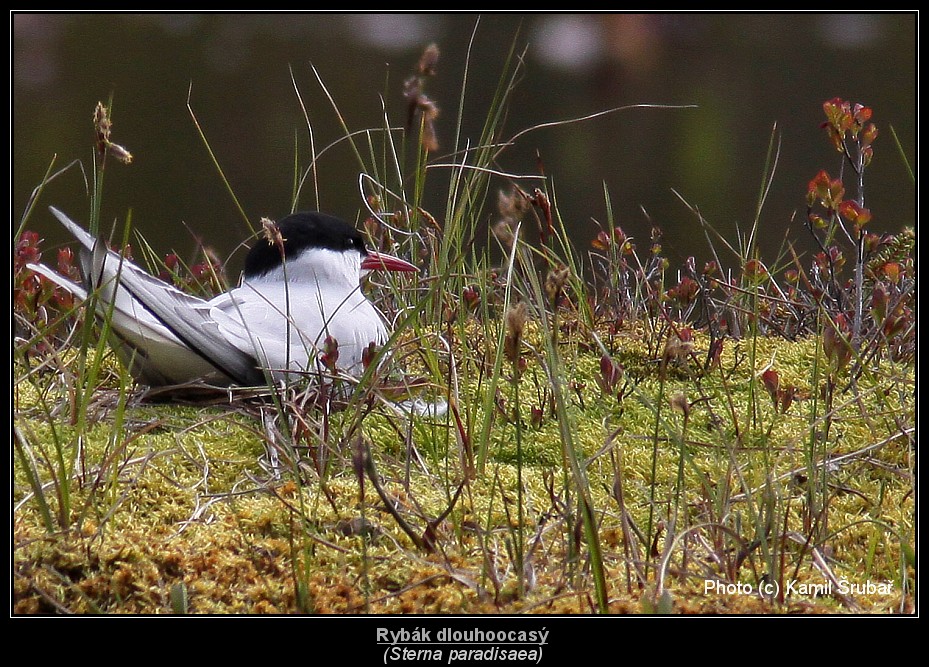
{"x": 177, "y": 508}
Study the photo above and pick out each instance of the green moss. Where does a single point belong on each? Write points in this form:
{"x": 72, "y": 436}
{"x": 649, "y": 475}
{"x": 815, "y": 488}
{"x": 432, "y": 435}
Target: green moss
{"x": 181, "y": 494}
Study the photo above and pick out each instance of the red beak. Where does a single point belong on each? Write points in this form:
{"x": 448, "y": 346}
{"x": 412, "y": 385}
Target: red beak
{"x": 378, "y": 261}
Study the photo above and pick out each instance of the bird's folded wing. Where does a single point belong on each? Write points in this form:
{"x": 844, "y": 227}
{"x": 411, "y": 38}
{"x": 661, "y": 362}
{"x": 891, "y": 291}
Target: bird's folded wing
{"x": 259, "y": 325}
{"x": 146, "y": 306}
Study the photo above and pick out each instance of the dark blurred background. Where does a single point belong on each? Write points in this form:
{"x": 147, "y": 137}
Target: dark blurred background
{"x": 744, "y": 72}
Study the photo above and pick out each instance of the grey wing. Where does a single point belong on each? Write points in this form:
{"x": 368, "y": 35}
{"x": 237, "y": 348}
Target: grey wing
{"x": 257, "y": 323}
{"x": 172, "y": 331}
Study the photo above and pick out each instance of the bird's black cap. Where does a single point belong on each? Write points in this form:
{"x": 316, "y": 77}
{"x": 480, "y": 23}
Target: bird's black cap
{"x": 300, "y": 231}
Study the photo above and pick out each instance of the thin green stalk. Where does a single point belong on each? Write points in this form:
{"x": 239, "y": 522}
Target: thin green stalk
{"x": 32, "y": 475}
{"x": 491, "y": 391}
{"x": 682, "y": 454}
{"x": 653, "y": 485}
{"x": 555, "y": 371}
{"x": 520, "y": 501}
{"x": 215, "y": 161}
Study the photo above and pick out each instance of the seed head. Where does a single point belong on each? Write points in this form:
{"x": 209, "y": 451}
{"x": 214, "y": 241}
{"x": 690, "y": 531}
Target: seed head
{"x": 516, "y": 318}
{"x": 103, "y": 126}
{"x": 555, "y": 282}
{"x": 272, "y": 234}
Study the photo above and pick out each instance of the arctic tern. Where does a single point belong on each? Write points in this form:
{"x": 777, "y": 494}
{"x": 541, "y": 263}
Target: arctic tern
{"x": 299, "y": 295}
